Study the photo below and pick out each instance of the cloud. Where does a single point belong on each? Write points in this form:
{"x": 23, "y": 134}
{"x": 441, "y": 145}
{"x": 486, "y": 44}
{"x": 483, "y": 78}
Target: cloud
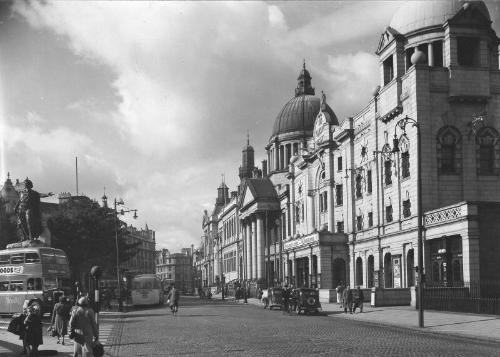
{"x": 185, "y": 81}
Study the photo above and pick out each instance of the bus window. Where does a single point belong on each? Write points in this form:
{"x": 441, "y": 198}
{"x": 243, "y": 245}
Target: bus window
{"x": 32, "y": 258}
{"x": 50, "y": 283}
{"x": 5, "y": 259}
{"x": 16, "y": 285}
{"x": 4, "y": 285}
{"x": 48, "y": 258}
{"x": 61, "y": 259}
{"x": 34, "y": 284}
{"x": 17, "y": 258}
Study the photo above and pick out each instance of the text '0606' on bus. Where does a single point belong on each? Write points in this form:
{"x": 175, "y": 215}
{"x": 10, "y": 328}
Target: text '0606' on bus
{"x": 37, "y": 273}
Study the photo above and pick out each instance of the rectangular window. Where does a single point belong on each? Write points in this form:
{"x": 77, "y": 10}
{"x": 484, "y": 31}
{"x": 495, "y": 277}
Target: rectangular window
{"x": 388, "y": 70}
{"x": 339, "y": 163}
{"x": 325, "y": 201}
{"x": 369, "y": 181}
{"x": 359, "y": 191}
{"x": 370, "y": 219}
{"x": 359, "y": 223}
{"x": 388, "y": 214}
{"x": 5, "y": 259}
{"x": 447, "y": 159}
{"x": 406, "y": 208}
{"x": 388, "y": 172}
{"x": 486, "y": 160}
{"x": 339, "y": 195}
{"x": 468, "y": 51}
{"x": 340, "y": 226}
{"x": 405, "y": 164}
{"x": 17, "y": 258}
{"x": 32, "y": 258}
{"x": 437, "y": 48}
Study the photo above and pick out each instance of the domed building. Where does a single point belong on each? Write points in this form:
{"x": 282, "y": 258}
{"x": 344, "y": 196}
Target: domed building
{"x": 409, "y": 183}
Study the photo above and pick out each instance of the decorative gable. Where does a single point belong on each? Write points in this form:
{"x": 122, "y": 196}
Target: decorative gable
{"x": 386, "y": 38}
{"x": 248, "y": 196}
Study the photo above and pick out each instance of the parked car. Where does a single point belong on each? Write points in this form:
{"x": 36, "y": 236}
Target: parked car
{"x": 272, "y": 297}
{"x": 306, "y": 300}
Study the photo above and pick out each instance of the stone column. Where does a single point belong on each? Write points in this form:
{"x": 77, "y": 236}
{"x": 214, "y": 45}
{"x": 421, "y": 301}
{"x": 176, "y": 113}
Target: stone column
{"x": 248, "y": 237}
{"x": 260, "y": 247}
{"x": 255, "y": 248}
{"x": 286, "y": 156}
{"x": 470, "y": 256}
{"x": 430, "y": 54}
{"x": 311, "y": 224}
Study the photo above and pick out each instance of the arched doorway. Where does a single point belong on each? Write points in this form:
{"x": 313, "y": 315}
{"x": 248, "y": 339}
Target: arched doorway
{"x": 410, "y": 268}
{"x": 339, "y": 271}
{"x": 359, "y": 272}
{"x": 371, "y": 271}
{"x": 388, "y": 270}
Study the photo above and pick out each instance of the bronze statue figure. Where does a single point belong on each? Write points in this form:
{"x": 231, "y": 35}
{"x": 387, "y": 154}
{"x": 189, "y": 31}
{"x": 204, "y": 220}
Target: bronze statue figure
{"x": 29, "y": 216}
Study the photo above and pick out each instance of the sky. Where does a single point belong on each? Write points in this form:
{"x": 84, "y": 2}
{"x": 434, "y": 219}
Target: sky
{"x": 156, "y": 98}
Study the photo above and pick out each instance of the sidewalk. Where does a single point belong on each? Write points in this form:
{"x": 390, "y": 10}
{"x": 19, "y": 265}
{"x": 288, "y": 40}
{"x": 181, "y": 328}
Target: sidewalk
{"x": 10, "y": 345}
{"x": 483, "y": 327}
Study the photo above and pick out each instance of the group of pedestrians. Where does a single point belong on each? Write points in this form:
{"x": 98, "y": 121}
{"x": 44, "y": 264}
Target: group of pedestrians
{"x": 349, "y": 299}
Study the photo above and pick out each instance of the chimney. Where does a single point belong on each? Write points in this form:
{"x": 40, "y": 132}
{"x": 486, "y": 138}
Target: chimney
{"x": 264, "y": 168}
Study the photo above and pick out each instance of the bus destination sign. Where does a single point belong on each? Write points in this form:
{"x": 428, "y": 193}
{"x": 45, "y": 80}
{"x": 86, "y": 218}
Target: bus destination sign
{"x": 8, "y": 270}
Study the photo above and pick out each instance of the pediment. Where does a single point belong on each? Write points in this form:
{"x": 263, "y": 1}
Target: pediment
{"x": 248, "y": 197}
{"x": 387, "y": 37}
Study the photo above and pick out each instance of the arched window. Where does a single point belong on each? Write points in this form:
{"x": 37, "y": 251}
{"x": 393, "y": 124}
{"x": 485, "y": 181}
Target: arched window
{"x": 387, "y": 164}
{"x": 359, "y": 271}
{"x": 359, "y": 183}
{"x": 371, "y": 271}
{"x": 487, "y": 151}
{"x": 404, "y": 145}
{"x": 388, "y": 270}
{"x": 449, "y": 151}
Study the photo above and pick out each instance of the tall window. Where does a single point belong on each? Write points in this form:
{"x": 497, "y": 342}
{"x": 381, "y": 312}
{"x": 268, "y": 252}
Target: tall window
{"x": 359, "y": 223}
{"x": 468, "y": 51}
{"x": 370, "y": 219}
{"x": 388, "y": 213}
{"x": 388, "y": 70}
{"x": 405, "y": 164}
{"x": 406, "y": 208}
{"x": 388, "y": 171}
{"x": 339, "y": 195}
{"x": 340, "y": 226}
{"x": 449, "y": 151}
{"x": 359, "y": 182}
{"x": 323, "y": 207}
{"x": 487, "y": 151}
{"x": 369, "y": 181}
{"x": 339, "y": 163}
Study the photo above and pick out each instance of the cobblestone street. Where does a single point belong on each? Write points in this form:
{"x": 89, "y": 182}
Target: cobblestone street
{"x": 225, "y": 328}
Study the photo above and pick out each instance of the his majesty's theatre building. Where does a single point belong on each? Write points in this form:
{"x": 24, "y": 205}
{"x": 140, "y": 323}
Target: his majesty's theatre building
{"x": 334, "y": 201}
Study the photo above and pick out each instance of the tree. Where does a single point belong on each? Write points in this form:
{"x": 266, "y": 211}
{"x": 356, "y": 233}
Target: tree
{"x": 86, "y": 232}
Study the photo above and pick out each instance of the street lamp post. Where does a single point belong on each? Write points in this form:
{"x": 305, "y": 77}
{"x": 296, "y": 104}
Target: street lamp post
{"x": 420, "y": 268}
{"x": 119, "y": 202}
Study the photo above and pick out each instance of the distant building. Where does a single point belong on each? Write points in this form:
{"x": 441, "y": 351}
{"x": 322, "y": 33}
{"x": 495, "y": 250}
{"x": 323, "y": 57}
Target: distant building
{"x": 176, "y": 268}
{"x": 143, "y": 261}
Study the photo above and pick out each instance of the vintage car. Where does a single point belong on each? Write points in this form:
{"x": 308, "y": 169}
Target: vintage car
{"x": 272, "y": 297}
{"x": 306, "y": 300}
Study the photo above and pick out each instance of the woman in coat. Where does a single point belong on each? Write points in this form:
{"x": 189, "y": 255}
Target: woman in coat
{"x": 347, "y": 299}
{"x": 33, "y": 330}
{"x": 82, "y": 322}
{"x": 60, "y": 318}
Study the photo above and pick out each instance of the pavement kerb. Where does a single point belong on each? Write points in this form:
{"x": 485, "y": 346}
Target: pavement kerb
{"x": 457, "y": 335}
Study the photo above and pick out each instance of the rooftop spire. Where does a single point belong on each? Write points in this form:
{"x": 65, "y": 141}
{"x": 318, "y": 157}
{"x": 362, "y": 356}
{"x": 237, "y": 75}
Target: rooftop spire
{"x": 304, "y": 82}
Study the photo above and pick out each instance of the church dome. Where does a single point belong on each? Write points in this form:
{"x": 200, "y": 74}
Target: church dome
{"x": 299, "y": 113}
{"x": 415, "y": 15}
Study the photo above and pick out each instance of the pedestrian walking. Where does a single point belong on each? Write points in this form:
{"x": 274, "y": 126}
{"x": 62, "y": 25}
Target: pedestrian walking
{"x": 33, "y": 330}
{"x": 340, "y": 291}
{"x": 60, "y": 318}
{"x": 347, "y": 297}
{"x": 83, "y": 329}
{"x": 285, "y": 298}
{"x": 358, "y": 301}
{"x": 173, "y": 298}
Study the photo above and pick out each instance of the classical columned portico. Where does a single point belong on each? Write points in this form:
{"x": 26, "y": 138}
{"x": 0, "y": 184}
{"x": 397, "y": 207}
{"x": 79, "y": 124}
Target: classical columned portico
{"x": 248, "y": 238}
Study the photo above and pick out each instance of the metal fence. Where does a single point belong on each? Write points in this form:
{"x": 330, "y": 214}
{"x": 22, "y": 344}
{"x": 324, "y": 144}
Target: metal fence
{"x": 473, "y": 297}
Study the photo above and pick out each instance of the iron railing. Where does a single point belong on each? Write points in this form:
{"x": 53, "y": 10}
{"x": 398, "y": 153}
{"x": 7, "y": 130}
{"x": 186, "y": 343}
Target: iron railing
{"x": 473, "y": 297}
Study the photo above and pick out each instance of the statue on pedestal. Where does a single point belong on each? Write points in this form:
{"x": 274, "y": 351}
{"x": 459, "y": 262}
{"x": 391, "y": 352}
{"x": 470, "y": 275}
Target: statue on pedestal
{"x": 29, "y": 215}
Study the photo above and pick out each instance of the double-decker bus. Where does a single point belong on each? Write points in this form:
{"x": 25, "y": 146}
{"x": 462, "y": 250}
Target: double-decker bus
{"x": 146, "y": 290}
{"x": 37, "y": 273}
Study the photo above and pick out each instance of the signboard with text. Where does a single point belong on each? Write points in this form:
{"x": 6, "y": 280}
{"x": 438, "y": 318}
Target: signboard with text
{"x": 12, "y": 269}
